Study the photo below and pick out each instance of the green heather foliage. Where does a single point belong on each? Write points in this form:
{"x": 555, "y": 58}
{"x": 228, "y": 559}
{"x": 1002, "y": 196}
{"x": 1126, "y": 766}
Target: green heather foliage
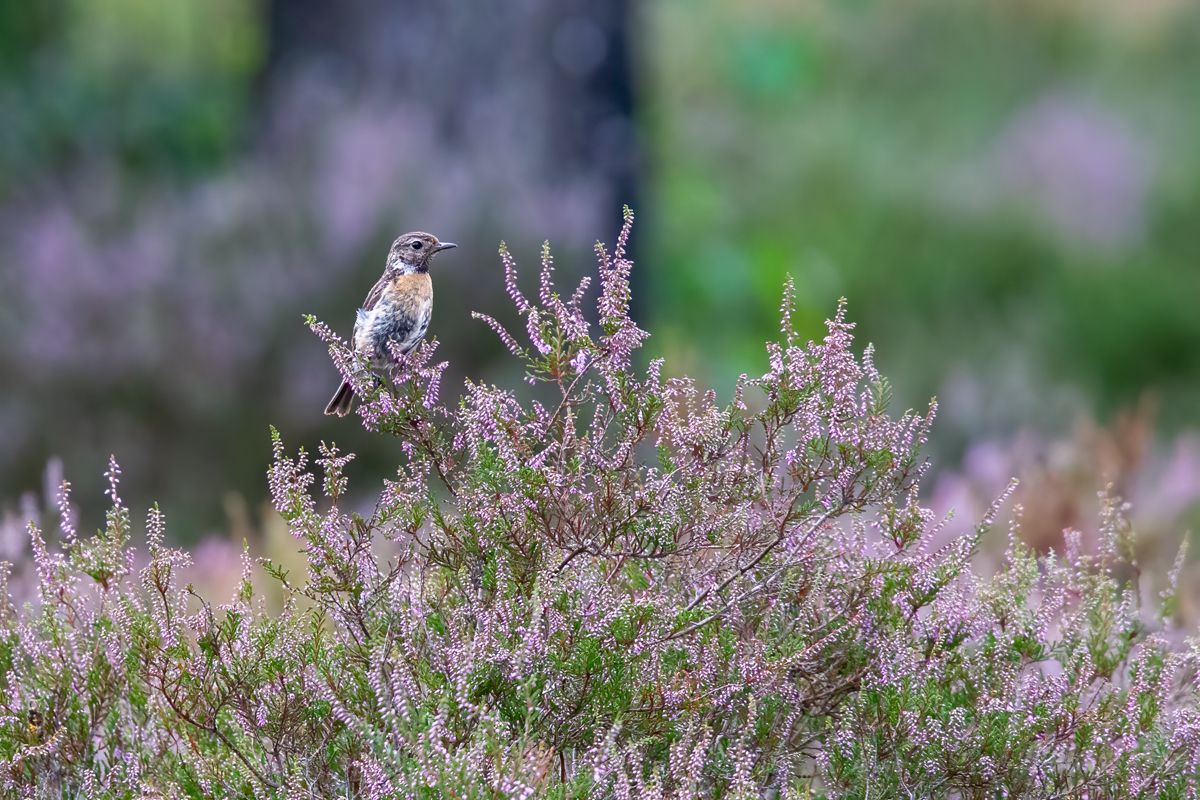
{"x": 621, "y": 590}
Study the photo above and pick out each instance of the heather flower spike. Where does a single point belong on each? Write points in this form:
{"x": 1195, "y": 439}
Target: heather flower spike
{"x": 623, "y": 588}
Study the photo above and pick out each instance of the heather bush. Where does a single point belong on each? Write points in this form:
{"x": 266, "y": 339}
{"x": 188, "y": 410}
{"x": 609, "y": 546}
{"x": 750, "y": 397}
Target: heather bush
{"x": 618, "y": 588}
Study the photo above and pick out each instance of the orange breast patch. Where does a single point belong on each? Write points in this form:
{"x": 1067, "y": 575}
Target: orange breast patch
{"x": 411, "y": 293}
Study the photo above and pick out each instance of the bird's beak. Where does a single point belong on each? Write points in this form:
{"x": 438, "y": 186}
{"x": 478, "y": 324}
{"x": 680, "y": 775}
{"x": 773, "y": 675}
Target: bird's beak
{"x": 444, "y": 246}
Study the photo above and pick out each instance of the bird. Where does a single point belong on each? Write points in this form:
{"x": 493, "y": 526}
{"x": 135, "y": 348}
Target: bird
{"x": 397, "y": 309}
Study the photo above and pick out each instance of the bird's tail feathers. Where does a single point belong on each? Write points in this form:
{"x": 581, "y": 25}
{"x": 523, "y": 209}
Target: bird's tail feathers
{"x": 342, "y": 401}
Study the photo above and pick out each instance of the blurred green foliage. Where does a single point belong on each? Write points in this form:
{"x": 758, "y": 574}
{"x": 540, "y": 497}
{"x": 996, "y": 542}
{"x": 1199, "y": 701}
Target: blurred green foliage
{"x": 999, "y": 188}
{"x": 157, "y": 85}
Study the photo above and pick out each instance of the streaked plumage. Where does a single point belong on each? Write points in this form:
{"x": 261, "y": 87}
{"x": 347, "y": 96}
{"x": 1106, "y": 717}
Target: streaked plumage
{"x": 397, "y": 308}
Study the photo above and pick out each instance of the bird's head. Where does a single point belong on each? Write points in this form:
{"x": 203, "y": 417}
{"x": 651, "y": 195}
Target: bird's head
{"x": 412, "y": 252}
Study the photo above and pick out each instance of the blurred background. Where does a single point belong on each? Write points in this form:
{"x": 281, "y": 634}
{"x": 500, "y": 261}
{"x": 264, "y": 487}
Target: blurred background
{"x": 1007, "y": 192}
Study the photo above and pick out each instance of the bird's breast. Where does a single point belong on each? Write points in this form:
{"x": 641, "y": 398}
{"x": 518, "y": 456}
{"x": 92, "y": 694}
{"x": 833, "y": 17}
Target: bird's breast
{"x": 401, "y": 316}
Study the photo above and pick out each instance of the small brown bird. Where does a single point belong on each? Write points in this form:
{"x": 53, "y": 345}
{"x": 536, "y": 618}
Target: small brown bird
{"x": 397, "y": 308}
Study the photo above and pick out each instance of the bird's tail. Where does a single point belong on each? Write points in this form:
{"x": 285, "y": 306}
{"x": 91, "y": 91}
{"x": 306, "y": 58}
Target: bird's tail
{"x": 342, "y": 401}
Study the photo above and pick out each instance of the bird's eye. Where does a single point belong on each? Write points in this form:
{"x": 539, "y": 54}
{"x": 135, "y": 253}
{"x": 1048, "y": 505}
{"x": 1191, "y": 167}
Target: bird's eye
{"x": 416, "y": 245}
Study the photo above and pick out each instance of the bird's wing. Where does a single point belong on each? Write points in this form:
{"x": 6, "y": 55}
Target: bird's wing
{"x": 371, "y": 301}
{"x": 376, "y": 292}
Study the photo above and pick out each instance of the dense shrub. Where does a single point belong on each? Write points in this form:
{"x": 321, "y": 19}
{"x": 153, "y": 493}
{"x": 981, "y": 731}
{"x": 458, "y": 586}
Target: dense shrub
{"x": 620, "y": 589}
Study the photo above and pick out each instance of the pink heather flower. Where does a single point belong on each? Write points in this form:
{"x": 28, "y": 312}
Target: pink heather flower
{"x": 113, "y": 475}
{"x": 533, "y": 328}
{"x": 509, "y": 342}
{"x": 66, "y": 522}
{"x": 510, "y": 280}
